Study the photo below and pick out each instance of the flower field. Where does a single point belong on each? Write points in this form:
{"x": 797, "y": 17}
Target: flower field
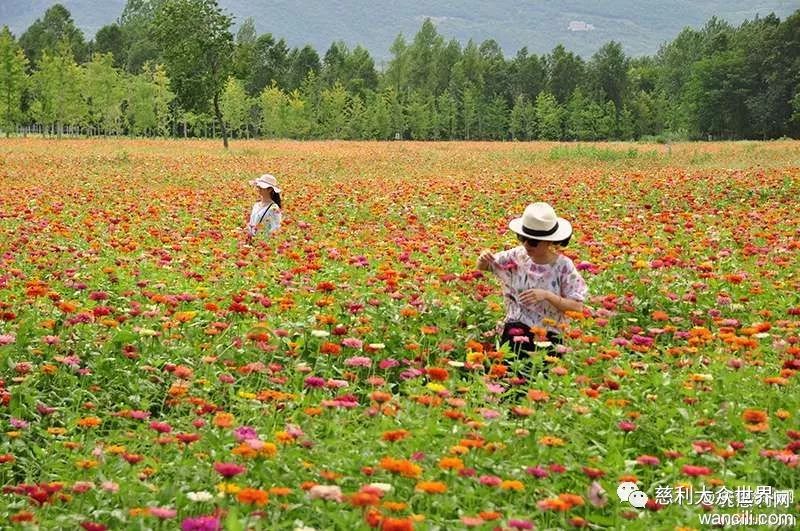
{"x": 156, "y": 372}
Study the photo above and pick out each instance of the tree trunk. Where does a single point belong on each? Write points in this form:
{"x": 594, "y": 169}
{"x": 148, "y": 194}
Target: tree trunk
{"x": 221, "y": 123}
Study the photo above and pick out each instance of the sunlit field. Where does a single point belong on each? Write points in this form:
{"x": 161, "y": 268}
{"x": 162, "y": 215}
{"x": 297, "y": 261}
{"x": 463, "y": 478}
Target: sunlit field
{"x": 157, "y": 372}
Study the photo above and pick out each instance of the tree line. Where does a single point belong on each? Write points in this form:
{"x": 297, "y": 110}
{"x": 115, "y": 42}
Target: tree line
{"x": 174, "y": 68}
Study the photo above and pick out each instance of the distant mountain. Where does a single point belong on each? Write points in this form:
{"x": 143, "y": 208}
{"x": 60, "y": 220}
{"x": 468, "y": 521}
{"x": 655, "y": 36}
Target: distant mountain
{"x": 581, "y": 25}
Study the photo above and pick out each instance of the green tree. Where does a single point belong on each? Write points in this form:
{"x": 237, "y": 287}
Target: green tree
{"x": 420, "y": 116}
{"x": 608, "y": 72}
{"x": 379, "y": 118}
{"x": 235, "y": 105}
{"x": 110, "y": 39}
{"x": 398, "y": 70}
{"x": 270, "y": 64}
{"x": 565, "y": 71}
{"x": 333, "y": 111}
{"x": 522, "y": 120}
{"x": 197, "y": 47}
{"x": 423, "y": 55}
{"x": 13, "y": 80}
{"x": 46, "y": 34}
{"x": 497, "y": 118}
{"x": 149, "y": 97}
{"x": 301, "y": 62}
{"x": 274, "y": 106}
{"x": 549, "y": 116}
{"x": 57, "y": 86}
{"x": 298, "y": 116}
{"x": 447, "y": 114}
{"x": 105, "y": 92}
{"x": 470, "y": 101}
{"x": 136, "y": 22}
{"x": 527, "y": 75}
{"x": 245, "y": 49}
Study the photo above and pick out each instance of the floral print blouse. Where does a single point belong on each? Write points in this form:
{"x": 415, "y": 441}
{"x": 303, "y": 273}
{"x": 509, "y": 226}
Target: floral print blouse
{"x": 517, "y": 272}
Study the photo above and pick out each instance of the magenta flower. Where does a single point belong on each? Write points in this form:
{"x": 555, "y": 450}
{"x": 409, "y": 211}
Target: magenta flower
{"x": 626, "y": 426}
{"x": 229, "y": 470}
{"x": 314, "y": 382}
{"x": 537, "y": 471}
{"x": 201, "y": 523}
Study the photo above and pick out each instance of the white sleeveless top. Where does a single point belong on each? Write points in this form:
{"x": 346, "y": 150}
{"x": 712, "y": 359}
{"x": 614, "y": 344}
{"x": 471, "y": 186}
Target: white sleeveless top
{"x": 264, "y": 215}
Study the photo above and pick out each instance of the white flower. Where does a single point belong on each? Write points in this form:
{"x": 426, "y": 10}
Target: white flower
{"x": 383, "y": 487}
{"x": 320, "y": 333}
{"x": 201, "y": 496}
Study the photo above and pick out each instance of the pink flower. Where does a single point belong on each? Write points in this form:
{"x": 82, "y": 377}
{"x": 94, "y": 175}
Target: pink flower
{"x": 51, "y": 340}
{"x": 537, "y": 471}
{"x": 358, "y": 361}
{"x": 314, "y": 382}
{"x": 648, "y": 460}
{"x": 626, "y": 426}
{"x": 7, "y": 339}
{"x": 18, "y": 424}
{"x": 490, "y": 481}
{"x": 229, "y": 470}
{"x": 163, "y": 512}
{"x": 325, "y": 492}
{"x": 140, "y": 415}
{"x": 161, "y": 427}
{"x": 691, "y": 470}
{"x": 82, "y": 486}
{"x": 109, "y": 486}
{"x": 388, "y": 363}
{"x": 352, "y": 342}
{"x": 520, "y": 524}
{"x": 243, "y": 433}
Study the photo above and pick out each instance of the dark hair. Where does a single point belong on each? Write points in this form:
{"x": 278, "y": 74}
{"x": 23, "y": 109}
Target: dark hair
{"x": 276, "y": 197}
{"x": 534, "y": 242}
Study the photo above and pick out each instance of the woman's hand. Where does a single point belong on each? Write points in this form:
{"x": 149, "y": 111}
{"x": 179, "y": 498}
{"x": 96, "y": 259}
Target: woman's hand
{"x": 486, "y": 260}
{"x": 534, "y": 295}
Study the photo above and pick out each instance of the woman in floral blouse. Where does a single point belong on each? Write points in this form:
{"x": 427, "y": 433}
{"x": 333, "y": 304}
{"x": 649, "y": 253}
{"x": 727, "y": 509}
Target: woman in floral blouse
{"x": 539, "y": 284}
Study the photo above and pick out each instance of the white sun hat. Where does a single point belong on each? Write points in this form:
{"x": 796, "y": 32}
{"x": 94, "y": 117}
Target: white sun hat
{"x": 266, "y": 181}
{"x": 539, "y": 222}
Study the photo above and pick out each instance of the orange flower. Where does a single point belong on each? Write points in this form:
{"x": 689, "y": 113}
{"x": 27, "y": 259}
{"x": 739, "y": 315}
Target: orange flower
{"x": 89, "y": 422}
{"x": 451, "y": 463}
{"x": 252, "y": 496}
{"x": 512, "y": 484}
{"x": 397, "y": 524}
{"x": 280, "y": 491}
{"x": 401, "y": 466}
{"x": 489, "y": 515}
{"x": 394, "y": 506}
{"x": 396, "y": 435}
{"x": 431, "y": 487}
{"x": 363, "y": 499}
{"x": 223, "y": 420}
{"x": 437, "y": 374}
{"x": 538, "y": 396}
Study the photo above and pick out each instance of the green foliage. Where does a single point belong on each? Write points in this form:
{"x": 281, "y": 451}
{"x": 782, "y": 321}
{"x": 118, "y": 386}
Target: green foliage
{"x": 720, "y": 80}
{"x": 549, "y": 117}
{"x": 104, "y": 92}
{"x": 46, "y": 34}
{"x": 197, "y": 48}
{"x": 13, "y": 79}
{"x": 57, "y": 86}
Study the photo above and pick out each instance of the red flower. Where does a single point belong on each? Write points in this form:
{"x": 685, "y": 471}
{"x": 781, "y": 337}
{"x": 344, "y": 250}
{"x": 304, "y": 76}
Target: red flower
{"x": 691, "y": 470}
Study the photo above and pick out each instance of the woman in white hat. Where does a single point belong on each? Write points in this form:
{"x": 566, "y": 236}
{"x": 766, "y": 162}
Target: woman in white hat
{"x": 539, "y": 283}
{"x": 265, "y": 216}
